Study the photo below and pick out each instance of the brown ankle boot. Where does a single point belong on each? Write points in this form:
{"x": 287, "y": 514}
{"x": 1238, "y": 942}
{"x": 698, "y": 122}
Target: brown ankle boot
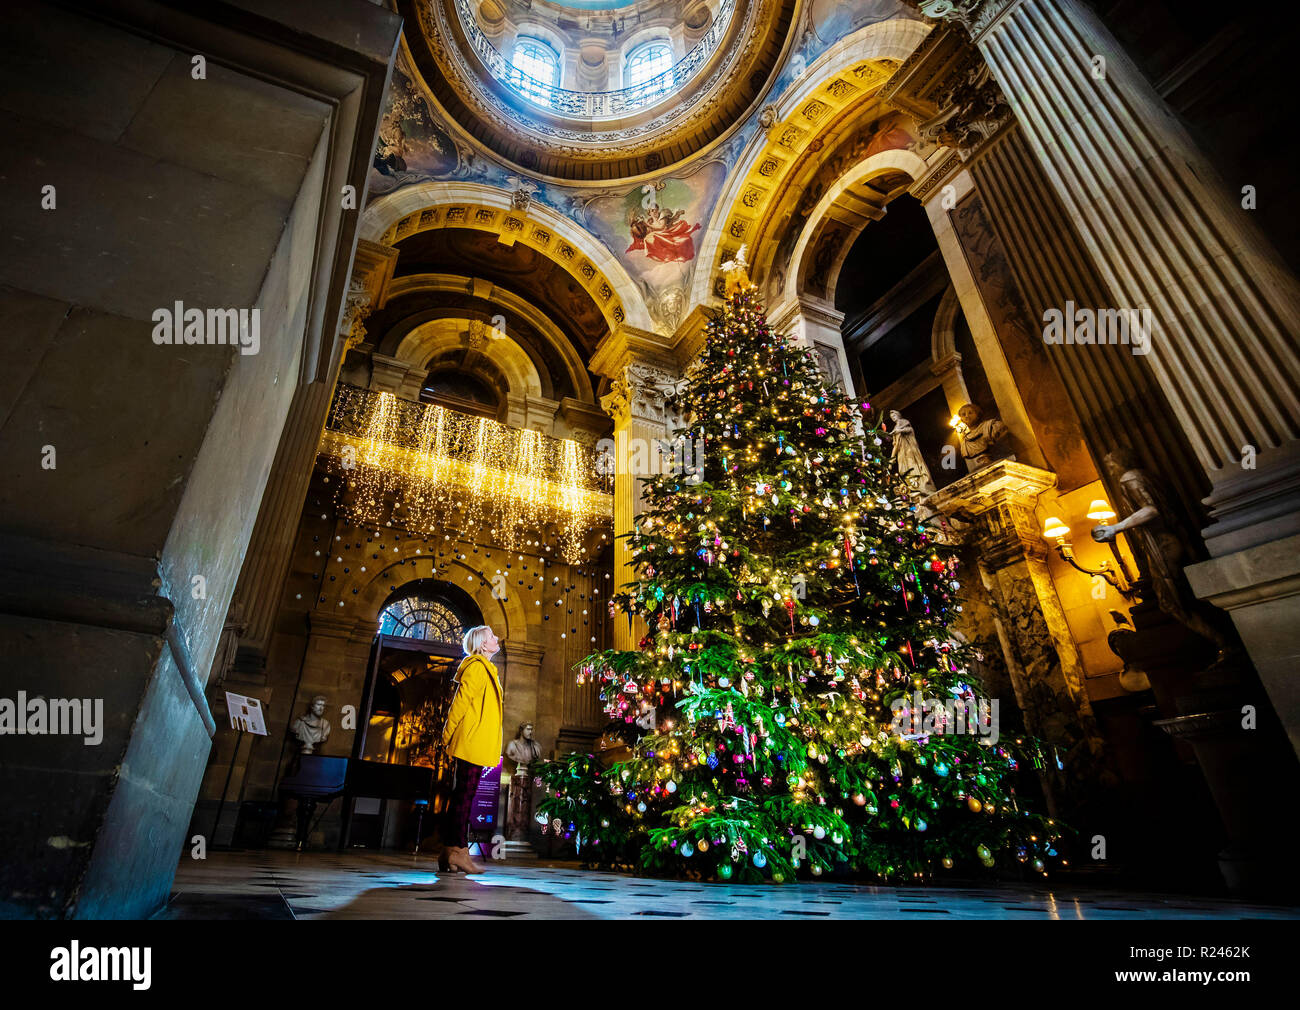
{"x": 444, "y": 860}
{"x": 460, "y": 859}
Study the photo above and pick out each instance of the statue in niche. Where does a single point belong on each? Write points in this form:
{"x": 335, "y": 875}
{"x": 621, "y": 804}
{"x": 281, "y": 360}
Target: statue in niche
{"x": 981, "y": 437}
{"x": 1161, "y": 553}
{"x": 312, "y": 728}
{"x": 907, "y": 457}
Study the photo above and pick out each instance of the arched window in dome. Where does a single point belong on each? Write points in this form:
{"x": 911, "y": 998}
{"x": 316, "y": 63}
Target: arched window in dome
{"x": 422, "y": 616}
{"x": 534, "y": 69}
{"x": 646, "y": 62}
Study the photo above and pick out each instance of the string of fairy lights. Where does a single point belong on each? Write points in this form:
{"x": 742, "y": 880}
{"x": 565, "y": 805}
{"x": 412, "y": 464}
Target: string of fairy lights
{"x": 413, "y": 464}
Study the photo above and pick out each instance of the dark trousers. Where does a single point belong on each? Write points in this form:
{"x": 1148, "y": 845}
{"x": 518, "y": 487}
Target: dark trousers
{"x": 455, "y": 821}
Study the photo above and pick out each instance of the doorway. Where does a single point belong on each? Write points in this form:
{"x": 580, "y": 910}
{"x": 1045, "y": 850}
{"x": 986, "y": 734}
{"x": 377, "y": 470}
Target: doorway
{"x": 398, "y": 766}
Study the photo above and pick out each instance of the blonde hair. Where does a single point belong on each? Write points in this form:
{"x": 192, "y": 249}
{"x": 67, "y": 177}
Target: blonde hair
{"x": 472, "y": 643}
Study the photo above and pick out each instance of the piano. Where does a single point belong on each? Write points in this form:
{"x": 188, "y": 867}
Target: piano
{"x": 318, "y": 778}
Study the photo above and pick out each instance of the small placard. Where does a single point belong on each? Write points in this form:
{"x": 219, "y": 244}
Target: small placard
{"x": 246, "y": 713}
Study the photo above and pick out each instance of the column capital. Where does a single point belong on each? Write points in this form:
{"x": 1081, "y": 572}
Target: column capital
{"x": 641, "y": 392}
{"x": 975, "y": 16}
{"x": 947, "y": 86}
{"x": 947, "y": 364}
{"x": 356, "y": 307}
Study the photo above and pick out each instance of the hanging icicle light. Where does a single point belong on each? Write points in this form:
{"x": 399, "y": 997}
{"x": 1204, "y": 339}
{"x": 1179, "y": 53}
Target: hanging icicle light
{"x": 412, "y": 463}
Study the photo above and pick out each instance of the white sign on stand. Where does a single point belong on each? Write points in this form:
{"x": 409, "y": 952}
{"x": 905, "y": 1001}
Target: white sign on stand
{"x": 246, "y": 713}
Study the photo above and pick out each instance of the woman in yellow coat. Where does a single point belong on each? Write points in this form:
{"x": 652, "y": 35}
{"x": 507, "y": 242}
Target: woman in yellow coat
{"x": 472, "y": 739}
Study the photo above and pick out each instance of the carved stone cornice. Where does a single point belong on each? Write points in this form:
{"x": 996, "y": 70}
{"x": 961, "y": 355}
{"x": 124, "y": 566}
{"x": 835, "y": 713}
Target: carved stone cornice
{"x": 585, "y": 421}
{"x": 940, "y": 172}
{"x": 950, "y": 90}
{"x": 808, "y": 307}
{"x": 999, "y": 501}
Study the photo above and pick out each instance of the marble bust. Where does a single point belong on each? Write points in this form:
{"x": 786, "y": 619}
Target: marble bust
{"x": 523, "y": 750}
{"x": 981, "y": 437}
{"x": 312, "y": 728}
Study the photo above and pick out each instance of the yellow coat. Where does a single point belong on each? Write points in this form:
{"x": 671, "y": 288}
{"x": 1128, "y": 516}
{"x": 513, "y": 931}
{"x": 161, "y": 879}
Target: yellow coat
{"x": 473, "y": 729}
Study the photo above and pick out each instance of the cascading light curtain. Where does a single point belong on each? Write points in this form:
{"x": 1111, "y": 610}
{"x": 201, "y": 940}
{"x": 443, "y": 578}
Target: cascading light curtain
{"x": 412, "y": 464}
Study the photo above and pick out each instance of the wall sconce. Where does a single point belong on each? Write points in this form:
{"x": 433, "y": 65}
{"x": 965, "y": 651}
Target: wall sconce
{"x": 1117, "y": 576}
{"x": 958, "y": 425}
{"x": 1100, "y": 510}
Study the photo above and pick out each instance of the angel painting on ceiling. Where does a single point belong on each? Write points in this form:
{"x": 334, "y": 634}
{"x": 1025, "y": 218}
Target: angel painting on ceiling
{"x": 664, "y": 235}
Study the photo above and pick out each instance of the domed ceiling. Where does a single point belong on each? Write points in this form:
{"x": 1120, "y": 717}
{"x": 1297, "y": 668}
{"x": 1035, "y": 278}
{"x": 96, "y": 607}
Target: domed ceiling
{"x": 597, "y": 90}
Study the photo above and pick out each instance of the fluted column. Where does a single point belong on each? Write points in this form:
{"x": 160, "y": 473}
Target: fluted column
{"x": 1164, "y": 236}
{"x": 1112, "y": 390}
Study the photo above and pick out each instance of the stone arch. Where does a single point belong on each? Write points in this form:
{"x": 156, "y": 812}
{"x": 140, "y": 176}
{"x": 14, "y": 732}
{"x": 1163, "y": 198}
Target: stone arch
{"x": 834, "y": 203}
{"x": 412, "y": 209}
{"x": 373, "y": 587}
{"x": 944, "y": 356}
{"x": 839, "y": 81}
{"x": 575, "y": 367}
{"x": 943, "y": 335}
{"x": 509, "y": 360}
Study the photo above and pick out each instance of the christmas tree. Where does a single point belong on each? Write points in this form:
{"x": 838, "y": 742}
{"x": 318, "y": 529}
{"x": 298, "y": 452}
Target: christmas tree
{"x": 797, "y": 705}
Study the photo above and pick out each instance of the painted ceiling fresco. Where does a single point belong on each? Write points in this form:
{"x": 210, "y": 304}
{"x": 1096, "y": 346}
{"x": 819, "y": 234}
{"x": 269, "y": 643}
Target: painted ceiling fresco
{"x": 652, "y": 228}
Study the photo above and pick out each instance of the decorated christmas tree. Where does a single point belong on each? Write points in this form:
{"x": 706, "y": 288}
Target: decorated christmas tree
{"x": 797, "y": 704}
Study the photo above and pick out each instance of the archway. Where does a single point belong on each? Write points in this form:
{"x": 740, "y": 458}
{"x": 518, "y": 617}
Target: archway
{"x": 469, "y": 205}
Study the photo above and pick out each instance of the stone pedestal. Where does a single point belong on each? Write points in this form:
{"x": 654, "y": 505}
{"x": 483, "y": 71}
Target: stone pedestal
{"x": 1041, "y": 656}
{"x": 519, "y": 811}
{"x": 1222, "y": 718}
{"x": 1260, "y": 589}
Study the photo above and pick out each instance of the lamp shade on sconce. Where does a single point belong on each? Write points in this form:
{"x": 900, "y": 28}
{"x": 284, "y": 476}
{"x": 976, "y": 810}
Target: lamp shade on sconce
{"x": 1101, "y": 510}
{"x": 1054, "y": 529}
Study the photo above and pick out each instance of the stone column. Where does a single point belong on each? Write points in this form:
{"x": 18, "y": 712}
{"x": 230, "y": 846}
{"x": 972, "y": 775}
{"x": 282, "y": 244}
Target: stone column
{"x": 644, "y": 369}
{"x": 1046, "y": 672}
{"x": 1163, "y": 237}
{"x": 1154, "y": 219}
{"x": 1111, "y": 389}
{"x": 814, "y": 322}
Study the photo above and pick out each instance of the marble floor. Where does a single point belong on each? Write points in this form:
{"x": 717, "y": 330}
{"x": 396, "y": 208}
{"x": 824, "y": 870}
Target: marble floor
{"x": 370, "y": 885}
